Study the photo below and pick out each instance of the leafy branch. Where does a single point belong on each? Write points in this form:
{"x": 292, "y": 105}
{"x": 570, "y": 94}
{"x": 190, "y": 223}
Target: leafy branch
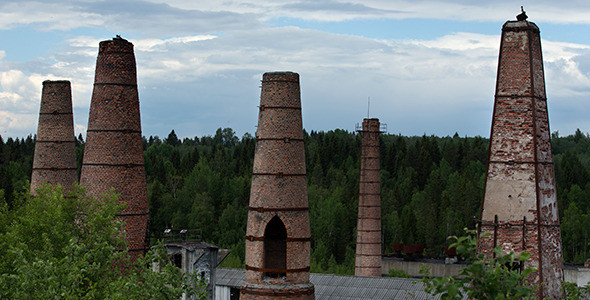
{"x": 484, "y": 277}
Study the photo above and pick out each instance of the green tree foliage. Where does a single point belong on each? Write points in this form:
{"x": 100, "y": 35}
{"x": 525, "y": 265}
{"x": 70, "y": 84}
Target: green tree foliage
{"x": 16, "y": 165}
{"x": 574, "y": 292}
{"x": 571, "y": 155}
{"x": 483, "y": 277}
{"x": 56, "y": 247}
{"x": 398, "y": 273}
{"x": 431, "y": 188}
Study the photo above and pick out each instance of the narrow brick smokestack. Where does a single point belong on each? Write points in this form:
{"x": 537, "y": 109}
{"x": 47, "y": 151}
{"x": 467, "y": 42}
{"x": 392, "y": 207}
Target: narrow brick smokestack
{"x": 278, "y": 235}
{"x": 519, "y": 207}
{"x": 55, "y": 154}
{"x": 368, "y": 234}
{"x": 113, "y": 155}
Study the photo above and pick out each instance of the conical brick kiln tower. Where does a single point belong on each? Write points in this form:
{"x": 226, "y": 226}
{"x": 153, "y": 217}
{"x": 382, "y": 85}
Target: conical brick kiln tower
{"x": 519, "y": 207}
{"x": 113, "y": 155}
{"x": 368, "y": 234}
{"x": 278, "y": 234}
{"x": 54, "y": 161}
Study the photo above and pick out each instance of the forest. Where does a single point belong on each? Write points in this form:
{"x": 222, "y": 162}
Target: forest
{"x": 431, "y": 188}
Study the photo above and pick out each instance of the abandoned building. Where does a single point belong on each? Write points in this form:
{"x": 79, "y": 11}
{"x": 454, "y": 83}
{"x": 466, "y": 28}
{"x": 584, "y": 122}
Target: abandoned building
{"x": 199, "y": 258}
{"x": 519, "y": 207}
{"x": 277, "y": 233}
{"x": 54, "y": 161}
{"x": 368, "y": 236}
{"x": 113, "y": 155}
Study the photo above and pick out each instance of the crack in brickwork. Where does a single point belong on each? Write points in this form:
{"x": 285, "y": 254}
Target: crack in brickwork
{"x": 519, "y": 207}
{"x": 54, "y": 161}
{"x": 368, "y": 239}
{"x": 113, "y": 154}
{"x": 279, "y": 189}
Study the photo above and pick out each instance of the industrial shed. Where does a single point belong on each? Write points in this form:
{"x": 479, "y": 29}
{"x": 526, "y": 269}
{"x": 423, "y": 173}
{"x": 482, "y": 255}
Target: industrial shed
{"x": 333, "y": 287}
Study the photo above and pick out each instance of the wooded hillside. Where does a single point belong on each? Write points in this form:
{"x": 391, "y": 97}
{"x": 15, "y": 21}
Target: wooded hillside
{"x": 431, "y": 187}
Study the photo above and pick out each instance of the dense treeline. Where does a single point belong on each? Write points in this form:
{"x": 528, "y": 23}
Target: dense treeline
{"x": 431, "y": 188}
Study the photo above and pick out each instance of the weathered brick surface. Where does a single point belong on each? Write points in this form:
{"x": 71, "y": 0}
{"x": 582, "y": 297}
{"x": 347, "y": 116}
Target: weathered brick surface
{"x": 279, "y": 190}
{"x": 114, "y": 148}
{"x": 117, "y": 63}
{"x": 520, "y": 182}
{"x": 278, "y": 156}
{"x": 368, "y": 236}
{"x": 54, "y": 160}
{"x": 127, "y": 181}
{"x": 281, "y": 291}
{"x": 56, "y": 126}
{"x": 113, "y": 155}
{"x": 120, "y": 103}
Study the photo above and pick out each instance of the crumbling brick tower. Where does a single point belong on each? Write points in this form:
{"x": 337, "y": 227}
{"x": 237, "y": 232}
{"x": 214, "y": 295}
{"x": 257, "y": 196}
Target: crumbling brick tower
{"x": 368, "y": 233}
{"x": 54, "y": 161}
{"x": 278, "y": 234}
{"x": 113, "y": 155}
{"x": 519, "y": 207}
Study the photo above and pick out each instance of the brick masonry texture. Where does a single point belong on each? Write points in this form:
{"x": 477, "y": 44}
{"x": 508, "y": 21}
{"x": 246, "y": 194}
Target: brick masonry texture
{"x": 54, "y": 161}
{"x": 368, "y": 237}
{"x": 113, "y": 155}
{"x": 519, "y": 208}
{"x": 279, "y": 190}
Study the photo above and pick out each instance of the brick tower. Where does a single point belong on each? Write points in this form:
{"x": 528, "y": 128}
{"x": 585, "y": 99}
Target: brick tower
{"x": 278, "y": 235}
{"x": 113, "y": 155}
{"x": 368, "y": 232}
{"x": 519, "y": 207}
{"x": 55, "y": 154}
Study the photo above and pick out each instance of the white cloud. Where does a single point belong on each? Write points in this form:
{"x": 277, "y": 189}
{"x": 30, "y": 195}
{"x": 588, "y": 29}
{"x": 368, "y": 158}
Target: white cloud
{"x": 16, "y": 124}
{"x": 160, "y": 18}
{"x": 200, "y": 62}
{"x": 413, "y": 83}
{"x": 156, "y": 44}
{"x": 55, "y": 15}
{"x": 561, "y": 12}
{"x": 19, "y": 90}
{"x": 391, "y": 72}
{"x": 563, "y": 70}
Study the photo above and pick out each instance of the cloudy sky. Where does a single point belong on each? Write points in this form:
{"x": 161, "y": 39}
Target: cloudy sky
{"x": 428, "y": 67}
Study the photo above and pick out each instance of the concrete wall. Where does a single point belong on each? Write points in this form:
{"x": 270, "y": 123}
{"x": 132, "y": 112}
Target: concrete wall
{"x": 437, "y": 268}
{"x": 573, "y": 274}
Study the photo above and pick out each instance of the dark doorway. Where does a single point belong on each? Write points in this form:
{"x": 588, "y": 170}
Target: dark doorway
{"x": 177, "y": 260}
{"x": 275, "y": 248}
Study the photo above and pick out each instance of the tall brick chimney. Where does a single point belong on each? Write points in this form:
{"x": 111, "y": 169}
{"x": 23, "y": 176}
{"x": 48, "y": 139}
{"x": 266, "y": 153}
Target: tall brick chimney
{"x": 368, "y": 232}
{"x": 519, "y": 207}
{"x": 113, "y": 155}
{"x": 278, "y": 234}
{"x": 54, "y": 161}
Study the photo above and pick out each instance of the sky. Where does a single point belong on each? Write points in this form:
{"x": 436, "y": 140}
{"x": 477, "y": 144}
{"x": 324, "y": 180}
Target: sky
{"x": 421, "y": 67}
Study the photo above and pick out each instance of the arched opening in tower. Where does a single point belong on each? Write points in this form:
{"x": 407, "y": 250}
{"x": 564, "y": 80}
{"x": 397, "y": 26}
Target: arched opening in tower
{"x": 275, "y": 248}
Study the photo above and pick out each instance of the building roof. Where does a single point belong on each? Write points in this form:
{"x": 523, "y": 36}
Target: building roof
{"x": 342, "y": 287}
{"x": 190, "y": 245}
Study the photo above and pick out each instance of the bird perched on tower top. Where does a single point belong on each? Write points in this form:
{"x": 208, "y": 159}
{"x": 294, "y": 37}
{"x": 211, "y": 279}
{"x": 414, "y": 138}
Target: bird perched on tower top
{"x": 522, "y": 16}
